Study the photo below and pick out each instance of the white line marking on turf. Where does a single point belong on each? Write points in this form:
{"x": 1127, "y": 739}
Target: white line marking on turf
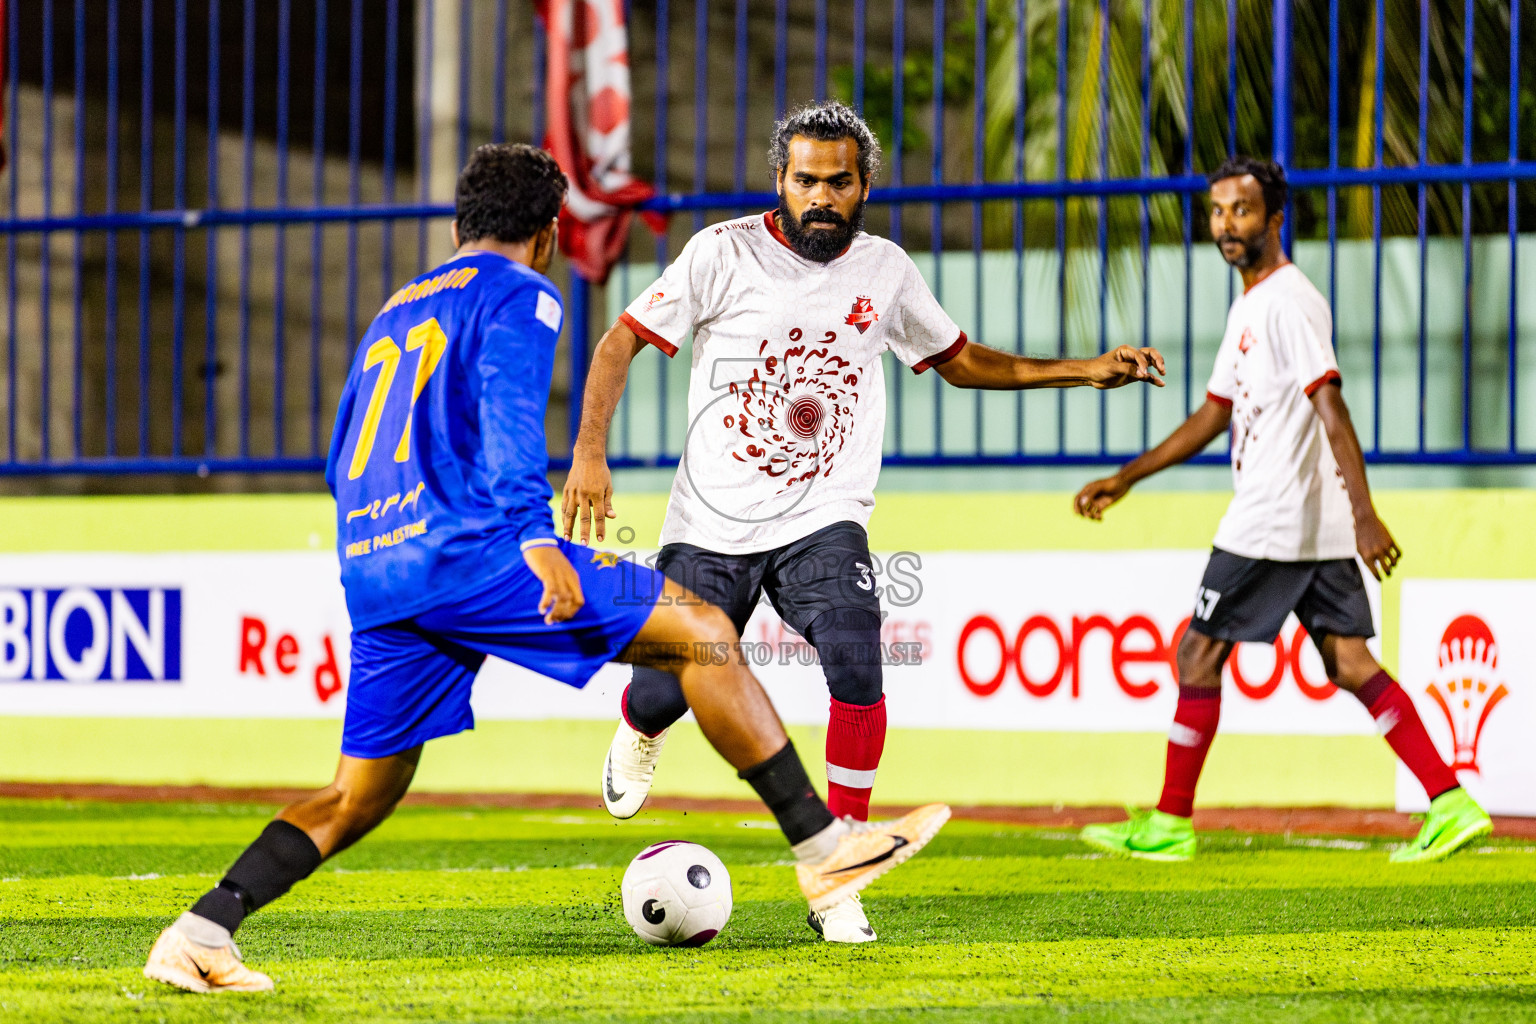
{"x": 1330, "y": 844}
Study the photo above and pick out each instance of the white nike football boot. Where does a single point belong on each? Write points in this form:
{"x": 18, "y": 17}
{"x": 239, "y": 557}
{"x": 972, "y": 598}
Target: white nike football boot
{"x": 628, "y": 769}
{"x": 177, "y": 960}
{"x": 843, "y": 922}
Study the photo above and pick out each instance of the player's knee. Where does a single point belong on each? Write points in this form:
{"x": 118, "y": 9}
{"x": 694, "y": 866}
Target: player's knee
{"x": 848, "y": 644}
{"x": 714, "y": 625}
{"x": 1349, "y": 663}
{"x": 1200, "y": 658}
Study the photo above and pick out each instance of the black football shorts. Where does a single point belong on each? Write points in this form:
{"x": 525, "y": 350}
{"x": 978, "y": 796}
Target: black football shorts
{"x": 1247, "y": 599}
{"x": 828, "y": 571}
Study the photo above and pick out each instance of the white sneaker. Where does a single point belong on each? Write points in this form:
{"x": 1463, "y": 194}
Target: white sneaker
{"x": 177, "y": 960}
{"x": 843, "y": 922}
{"x": 628, "y": 768}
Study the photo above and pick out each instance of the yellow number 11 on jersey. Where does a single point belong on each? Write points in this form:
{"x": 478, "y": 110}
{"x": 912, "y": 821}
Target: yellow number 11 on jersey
{"x": 429, "y": 338}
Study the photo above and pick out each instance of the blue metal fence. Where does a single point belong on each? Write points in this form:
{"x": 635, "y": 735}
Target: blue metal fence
{"x": 198, "y": 336}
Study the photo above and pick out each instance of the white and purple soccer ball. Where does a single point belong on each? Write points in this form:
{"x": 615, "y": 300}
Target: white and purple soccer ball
{"x": 676, "y": 894}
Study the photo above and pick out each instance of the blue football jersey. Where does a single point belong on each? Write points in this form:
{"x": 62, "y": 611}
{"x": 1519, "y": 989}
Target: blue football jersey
{"x": 438, "y": 460}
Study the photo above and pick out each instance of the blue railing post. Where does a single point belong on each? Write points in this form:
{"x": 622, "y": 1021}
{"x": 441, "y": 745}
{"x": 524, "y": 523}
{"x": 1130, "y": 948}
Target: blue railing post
{"x": 353, "y": 154}
{"x": 579, "y": 317}
{"x": 1281, "y": 117}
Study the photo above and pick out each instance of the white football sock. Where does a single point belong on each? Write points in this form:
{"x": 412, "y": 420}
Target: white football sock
{"x": 820, "y": 846}
{"x": 203, "y": 931}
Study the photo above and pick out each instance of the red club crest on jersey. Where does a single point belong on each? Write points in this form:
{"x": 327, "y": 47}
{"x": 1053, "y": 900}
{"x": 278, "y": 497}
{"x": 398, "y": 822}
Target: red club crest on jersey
{"x": 1246, "y": 342}
{"x": 863, "y": 314}
{"x": 1467, "y": 690}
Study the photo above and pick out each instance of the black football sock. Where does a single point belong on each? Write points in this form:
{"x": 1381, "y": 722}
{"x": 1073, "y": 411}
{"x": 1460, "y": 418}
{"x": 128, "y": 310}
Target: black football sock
{"x": 653, "y": 701}
{"x": 282, "y": 855}
{"x": 786, "y": 789}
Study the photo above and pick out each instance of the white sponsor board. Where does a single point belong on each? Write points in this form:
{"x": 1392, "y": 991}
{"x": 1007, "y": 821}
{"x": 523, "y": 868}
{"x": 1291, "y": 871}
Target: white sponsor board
{"x": 1468, "y": 659}
{"x": 1054, "y": 641}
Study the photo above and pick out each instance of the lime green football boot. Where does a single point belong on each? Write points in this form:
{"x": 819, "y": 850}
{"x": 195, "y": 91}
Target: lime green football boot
{"x": 1148, "y": 835}
{"x": 1453, "y": 821}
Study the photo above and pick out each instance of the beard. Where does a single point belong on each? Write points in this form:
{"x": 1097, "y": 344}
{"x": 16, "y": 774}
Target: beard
{"x": 1253, "y": 249}
{"x": 821, "y": 245}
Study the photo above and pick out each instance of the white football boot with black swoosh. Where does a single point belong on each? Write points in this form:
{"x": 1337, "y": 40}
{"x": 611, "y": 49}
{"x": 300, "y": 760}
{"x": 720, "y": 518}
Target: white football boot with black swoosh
{"x": 865, "y": 852}
{"x": 177, "y": 960}
{"x": 628, "y": 770}
{"x": 843, "y": 922}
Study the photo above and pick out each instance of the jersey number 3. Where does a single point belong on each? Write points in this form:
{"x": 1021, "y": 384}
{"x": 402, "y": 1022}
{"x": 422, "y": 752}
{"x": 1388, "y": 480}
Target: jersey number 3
{"x": 429, "y": 339}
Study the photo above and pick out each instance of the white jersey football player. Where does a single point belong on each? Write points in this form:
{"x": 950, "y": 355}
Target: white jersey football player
{"x": 790, "y": 312}
{"x": 1300, "y": 513}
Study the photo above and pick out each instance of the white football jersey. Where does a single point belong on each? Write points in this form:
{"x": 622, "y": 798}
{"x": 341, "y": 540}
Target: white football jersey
{"x": 1290, "y": 503}
{"x": 786, "y": 400}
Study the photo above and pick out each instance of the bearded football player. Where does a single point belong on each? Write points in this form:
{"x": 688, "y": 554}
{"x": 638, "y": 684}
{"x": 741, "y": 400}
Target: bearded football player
{"x": 448, "y": 554}
{"x": 790, "y": 312}
{"x": 1301, "y": 512}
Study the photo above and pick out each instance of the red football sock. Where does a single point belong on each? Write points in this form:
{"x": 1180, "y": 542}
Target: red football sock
{"x": 1194, "y": 726}
{"x": 1399, "y": 722}
{"x": 855, "y": 740}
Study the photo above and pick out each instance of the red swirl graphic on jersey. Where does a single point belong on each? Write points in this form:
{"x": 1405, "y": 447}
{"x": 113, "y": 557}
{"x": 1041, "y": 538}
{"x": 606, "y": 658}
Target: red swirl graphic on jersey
{"x": 796, "y": 411}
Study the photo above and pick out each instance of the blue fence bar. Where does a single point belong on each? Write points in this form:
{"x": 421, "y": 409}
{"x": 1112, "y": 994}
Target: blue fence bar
{"x": 1093, "y": 149}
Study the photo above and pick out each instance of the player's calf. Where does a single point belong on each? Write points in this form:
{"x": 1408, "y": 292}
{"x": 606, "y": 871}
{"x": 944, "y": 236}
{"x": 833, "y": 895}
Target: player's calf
{"x": 288, "y": 851}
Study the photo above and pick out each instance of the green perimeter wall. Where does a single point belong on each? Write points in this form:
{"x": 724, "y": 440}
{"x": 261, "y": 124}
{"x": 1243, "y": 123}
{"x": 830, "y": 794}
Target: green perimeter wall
{"x": 1444, "y": 533}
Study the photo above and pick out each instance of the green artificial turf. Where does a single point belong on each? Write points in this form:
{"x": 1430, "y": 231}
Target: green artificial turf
{"x": 478, "y": 915}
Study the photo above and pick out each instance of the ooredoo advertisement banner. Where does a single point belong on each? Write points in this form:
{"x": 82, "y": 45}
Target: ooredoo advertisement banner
{"x": 1050, "y": 641}
{"x": 1467, "y": 658}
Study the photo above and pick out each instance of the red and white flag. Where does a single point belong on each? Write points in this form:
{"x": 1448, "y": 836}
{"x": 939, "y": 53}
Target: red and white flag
{"x": 588, "y": 103}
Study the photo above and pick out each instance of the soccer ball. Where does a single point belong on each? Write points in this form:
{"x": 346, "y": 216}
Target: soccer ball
{"x": 676, "y": 894}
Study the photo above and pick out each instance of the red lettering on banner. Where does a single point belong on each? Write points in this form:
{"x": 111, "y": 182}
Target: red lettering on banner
{"x": 253, "y": 637}
{"x": 1081, "y": 627}
{"x": 989, "y": 687}
{"x": 1269, "y": 685}
{"x": 286, "y": 654}
{"x": 1045, "y": 689}
{"x": 1120, "y": 655}
{"x": 1314, "y": 690}
{"x": 327, "y": 675}
{"x": 1134, "y": 641}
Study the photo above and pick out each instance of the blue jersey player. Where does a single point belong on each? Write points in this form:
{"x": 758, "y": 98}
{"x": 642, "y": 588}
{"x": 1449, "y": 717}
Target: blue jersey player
{"x": 449, "y": 554}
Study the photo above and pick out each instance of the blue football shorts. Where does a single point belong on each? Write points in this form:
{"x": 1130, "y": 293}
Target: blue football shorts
{"x": 411, "y": 680}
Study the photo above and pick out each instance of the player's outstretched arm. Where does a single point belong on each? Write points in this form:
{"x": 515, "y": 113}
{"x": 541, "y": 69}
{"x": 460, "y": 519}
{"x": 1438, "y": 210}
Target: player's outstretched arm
{"x": 589, "y": 487}
{"x": 977, "y": 366}
{"x": 1376, "y": 546}
{"x": 1204, "y": 425}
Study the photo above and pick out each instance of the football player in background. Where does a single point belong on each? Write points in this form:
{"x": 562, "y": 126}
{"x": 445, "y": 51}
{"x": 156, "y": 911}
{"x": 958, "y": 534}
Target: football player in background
{"x": 1300, "y": 513}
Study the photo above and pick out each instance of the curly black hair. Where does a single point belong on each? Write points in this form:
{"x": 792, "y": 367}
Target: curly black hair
{"x": 1269, "y": 175}
{"x": 826, "y": 122}
{"x": 508, "y": 192}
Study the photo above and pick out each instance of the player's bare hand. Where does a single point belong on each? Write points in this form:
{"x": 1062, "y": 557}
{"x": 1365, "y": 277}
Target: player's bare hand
{"x": 1377, "y": 548}
{"x": 588, "y": 495}
{"x": 1126, "y": 365}
{"x": 1093, "y": 499}
{"x": 562, "y": 587}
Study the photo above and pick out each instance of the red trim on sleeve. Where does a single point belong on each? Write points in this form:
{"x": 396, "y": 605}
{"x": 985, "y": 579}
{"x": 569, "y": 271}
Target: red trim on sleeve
{"x": 646, "y": 334}
{"x": 1218, "y": 399}
{"x": 942, "y": 357}
{"x": 1331, "y": 377}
